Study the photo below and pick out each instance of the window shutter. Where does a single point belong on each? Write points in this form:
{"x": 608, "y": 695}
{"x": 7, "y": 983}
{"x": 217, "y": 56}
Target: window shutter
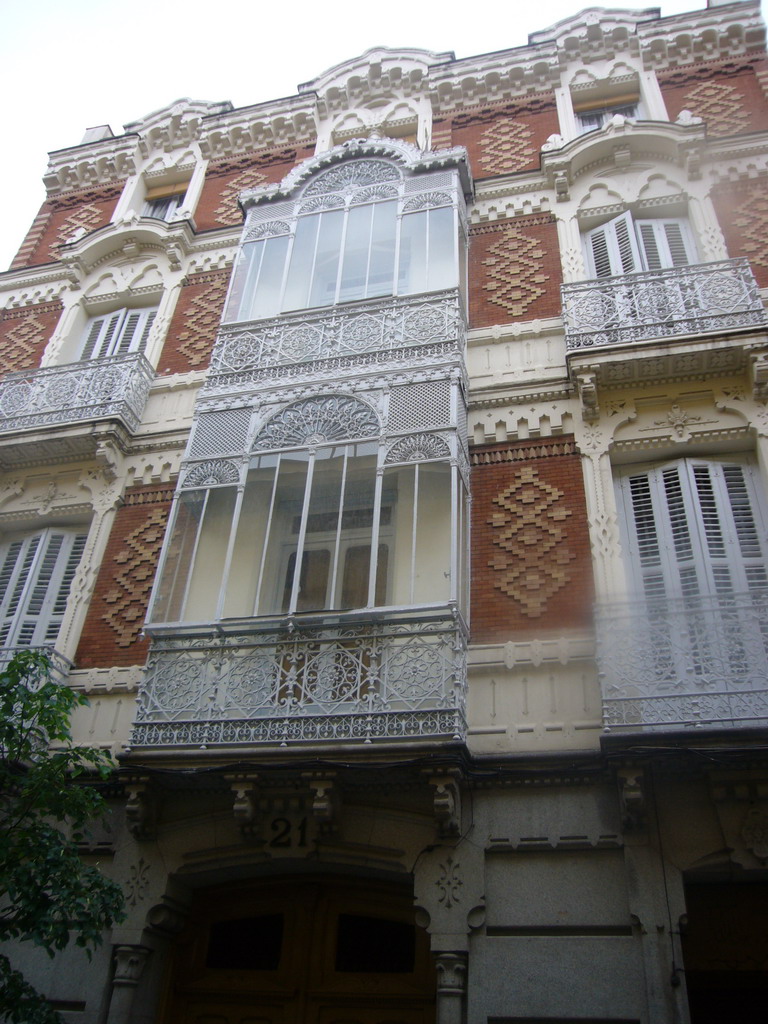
{"x": 101, "y": 330}
{"x": 665, "y": 243}
{"x": 125, "y": 330}
{"x": 135, "y": 331}
{"x": 36, "y": 577}
{"x": 693, "y": 530}
{"x": 612, "y": 248}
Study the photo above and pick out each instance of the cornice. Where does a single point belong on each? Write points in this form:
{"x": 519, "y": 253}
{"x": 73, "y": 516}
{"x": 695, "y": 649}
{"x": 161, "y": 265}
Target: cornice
{"x": 263, "y": 126}
{"x": 97, "y": 163}
{"x": 400, "y": 73}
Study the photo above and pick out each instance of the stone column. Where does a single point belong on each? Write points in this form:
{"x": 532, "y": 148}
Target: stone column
{"x": 129, "y": 965}
{"x": 451, "y": 987}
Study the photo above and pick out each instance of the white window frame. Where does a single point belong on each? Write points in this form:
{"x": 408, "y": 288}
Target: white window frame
{"x": 36, "y": 573}
{"x": 625, "y": 245}
{"x": 117, "y": 333}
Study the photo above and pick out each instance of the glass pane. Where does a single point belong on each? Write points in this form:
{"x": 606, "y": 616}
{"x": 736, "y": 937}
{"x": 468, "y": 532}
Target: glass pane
{"x": 266, "y": 300}
{"x": 442, "y": 243}
{"x": 381, "y": 270}
{"x": 432, "y": 577}
{"x": 180, "y": 550}
{"x": 245, "y": 274}
{"x": 283, "y": 534}
{"x": 250, "y": 538}
{"x": 302, "y": 259}
{"x": 396, "y": 523}
{"x": 412, "y": 272}
{"x": 356, "y": 252}
{"x": 328, "y": 255}
{"x": 210, "y": 556}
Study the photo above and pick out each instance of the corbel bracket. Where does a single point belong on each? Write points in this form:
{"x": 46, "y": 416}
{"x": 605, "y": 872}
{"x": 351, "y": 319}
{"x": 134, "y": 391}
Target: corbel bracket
{"x": 325, "y": 800}
{"x": 447, "y": 804}
{"x": 586, "y": 381}
{"x": 244, "y": 805}
{"x": 141, "y": 808}
{"x": 632, "y": 797}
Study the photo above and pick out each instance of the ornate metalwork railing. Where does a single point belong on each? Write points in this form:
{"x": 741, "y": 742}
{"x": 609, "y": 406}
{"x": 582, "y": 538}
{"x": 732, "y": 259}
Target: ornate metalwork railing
{"x": 95, "y": 389}
{"x": 350, "y": 683}
{"x": 693, "y": 662}
{"x": 390, "y": 326}
{"x": 659, "y": 304}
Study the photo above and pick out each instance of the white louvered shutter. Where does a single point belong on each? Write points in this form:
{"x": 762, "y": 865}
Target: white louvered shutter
{"x": 693, "y": 528}
{"x": 665, "y": 243}
{"x": 117, "y": 333}
{"x": 36, "y": 574}
{"x": 612, "y": 248}
{"x": 100, "y": 334}
{"x": 134, "y": 331}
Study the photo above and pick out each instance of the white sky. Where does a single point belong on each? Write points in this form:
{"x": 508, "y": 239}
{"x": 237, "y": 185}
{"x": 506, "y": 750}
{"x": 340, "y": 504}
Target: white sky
{"x": 66, "y": 65}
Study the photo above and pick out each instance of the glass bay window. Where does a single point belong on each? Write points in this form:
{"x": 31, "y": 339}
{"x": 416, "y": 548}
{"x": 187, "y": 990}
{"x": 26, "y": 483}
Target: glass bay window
{"x": 319, "y": 530}
{"x": 362, "y": 243}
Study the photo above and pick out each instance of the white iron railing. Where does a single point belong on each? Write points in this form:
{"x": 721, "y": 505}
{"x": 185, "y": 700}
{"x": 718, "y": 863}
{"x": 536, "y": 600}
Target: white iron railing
{"x": 658, "y": 304}
{"x": 690, "y": 662}
{"x": 394, "y": 327}
{"x": 116, "y": 387}
{"x": 350, "y": 683}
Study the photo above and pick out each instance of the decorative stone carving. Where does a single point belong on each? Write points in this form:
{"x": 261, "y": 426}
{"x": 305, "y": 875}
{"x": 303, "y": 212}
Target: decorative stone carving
{"x": 449, "y": 883}
{"x": 244, "y": 806}
{"x": 138, "y": 882}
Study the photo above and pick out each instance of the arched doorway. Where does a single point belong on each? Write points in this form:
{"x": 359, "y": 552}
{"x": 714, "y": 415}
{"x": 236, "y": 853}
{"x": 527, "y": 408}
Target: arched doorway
{"x": 302, "y": 950}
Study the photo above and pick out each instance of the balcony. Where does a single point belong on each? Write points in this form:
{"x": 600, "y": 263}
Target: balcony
{"x": 292, "y": 683}
{"x": 334, "y": 340}
{"x": 708, "y": 298}
{"x": 677, "y": 664}
{"x": 98, "y": 389}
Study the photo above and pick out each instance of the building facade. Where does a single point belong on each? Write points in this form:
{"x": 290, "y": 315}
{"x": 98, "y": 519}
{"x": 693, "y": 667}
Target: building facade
{"x": 388, "y": 753}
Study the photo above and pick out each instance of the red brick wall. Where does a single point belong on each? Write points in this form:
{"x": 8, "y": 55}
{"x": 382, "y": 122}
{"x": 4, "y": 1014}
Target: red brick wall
{"x": 225, "y": 179}
{"x": 59, "y": 218}
{"x": 502, "y": 139}
{"x": 742, "y": 210}
{"x": 195, "y": 321}
{"x": 24, "y": 333}
{"x": 119, "y": 604}
{"x": 728, "y": 95}
{"x": 514, "y": 270}
{"x": 531, "y": 563}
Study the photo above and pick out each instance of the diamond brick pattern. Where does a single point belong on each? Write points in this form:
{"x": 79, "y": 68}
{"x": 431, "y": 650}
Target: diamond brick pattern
{"x": 506, "y": 147}
{"x": 531, "y": 564}
{"x": 135, "y": 565}
{"x": 228, "y": 212}
{"x": 83, "y": 219}
{"x": 515, "y": 278}
{"x": 720, "y": 105}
